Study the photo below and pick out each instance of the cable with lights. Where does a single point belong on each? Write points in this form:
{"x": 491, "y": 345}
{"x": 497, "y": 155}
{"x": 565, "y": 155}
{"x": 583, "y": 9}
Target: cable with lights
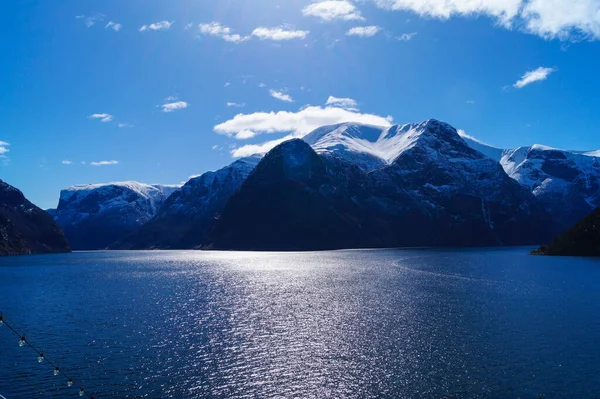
{"x": 23, "y": 341}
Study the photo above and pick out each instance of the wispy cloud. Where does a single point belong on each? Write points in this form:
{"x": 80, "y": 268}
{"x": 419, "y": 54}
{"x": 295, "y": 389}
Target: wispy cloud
{"x": 227, "y": 84}
{"x": 281, "y": 96}
{"x": 123, "y": 125}
{"x": 297, "y": 124}
{"x": 113, "y": 25}
{"x": 363, "y": 31}
{"x": 162, "y": 25}
{"x": 174, "y": 106}
{"x": 330, "y": 10}
{"x": 464, "y": 134}
{"x": 221, "y": 31}
{"x": 406, "y": 36}
{"x": 536, "y": 75}
{"x": 103, "y": 117}
{"x": 280, "y": 33}
{"x": 90, "y": 21}
{"x": 104, "y": 163}
{"x": 562, "y": 19}
{"x": 245, "y": 134}
{"x": 471, "y": 102}
{"x": 188, "y": 26}
{"x": 238, "y": 105}
{"x": 345, "y": 103}
{"x": 4, "y": 149}
{"x": 67, "y": 162}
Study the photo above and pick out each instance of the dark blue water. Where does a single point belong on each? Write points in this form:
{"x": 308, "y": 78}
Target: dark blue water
{"x": 345, "y": 324}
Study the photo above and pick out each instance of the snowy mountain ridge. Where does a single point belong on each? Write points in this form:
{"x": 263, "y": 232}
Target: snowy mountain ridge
{"x": 431, "y": 162}
{"x": 372, "y": 147}
{"x": 95, "y": 215}
{"x": 144, "y": 190}
{"x": 566, "y": 182}
{"x": 188, "y": 215}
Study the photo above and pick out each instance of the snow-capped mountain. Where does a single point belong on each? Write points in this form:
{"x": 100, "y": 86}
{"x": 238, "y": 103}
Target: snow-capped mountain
{"x": 25, "y": 228}
{"x": 414, "y": 184}
{"x": 371, "y": 147}
{"x": 94, "y": 216}
{"x": 420, "y": 184}
{"x": 567, "y": 183}
{"x": 188, "y": 215}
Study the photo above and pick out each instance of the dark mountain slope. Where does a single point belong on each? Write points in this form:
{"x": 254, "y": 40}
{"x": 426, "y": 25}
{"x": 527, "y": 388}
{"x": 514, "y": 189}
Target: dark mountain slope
{"x": 189, "y": 214}
{"x": 583, "y": 239}
{"x": 436, "y": 192}
{"x": 25, "y": 228}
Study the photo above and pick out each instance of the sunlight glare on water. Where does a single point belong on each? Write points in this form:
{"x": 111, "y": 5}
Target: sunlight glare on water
{"x": 342, "y": 324}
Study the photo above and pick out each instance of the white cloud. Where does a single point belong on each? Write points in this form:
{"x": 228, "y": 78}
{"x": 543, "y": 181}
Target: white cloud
{"x": 162, "y": 25}
{"x": 503, "y": 10}
{"x": 464, "y": 134}
{"x": 406, "y": 36}
{"x": 262, "y": 85}
{"x": 245, "y": 134}
{"x": 188, "y": 26}
{"x": 104, "y": 163}
{"x": 363, "y": 31}
{"x": 345, "y": 103}
{"x": 217, "y": 147}
{"x": 239, "y": 105}
{"x": 281, "y": 96}
{"x": 124, "y": 125}
{"x": 471, "y": 102}
{"x": 333, "y": 9}
{"x": 224, "y": 32}
{"x": 262, "y": 148}
{"x": 279, "y": 33}
{"x": 298, "y": 124}
{"x": 103, "y": 117}
{"x": 113, "y": 25}
{"x": 3, "y": 148}
{"x": 170, "y": 107}
{"x": 91, "y": 21}
{"x": 171, "y": 98}
{"x": 66, "y": 162}
{"x": 563, "y": 19}
{"x": 536, "y": 75}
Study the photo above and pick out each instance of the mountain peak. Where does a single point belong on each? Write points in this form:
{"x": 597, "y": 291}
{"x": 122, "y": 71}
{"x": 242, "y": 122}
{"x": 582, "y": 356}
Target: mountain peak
{"x": 373, "y": 147}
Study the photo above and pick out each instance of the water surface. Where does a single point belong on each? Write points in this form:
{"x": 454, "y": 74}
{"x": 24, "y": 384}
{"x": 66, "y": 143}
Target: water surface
{"x": 343, "y": 324}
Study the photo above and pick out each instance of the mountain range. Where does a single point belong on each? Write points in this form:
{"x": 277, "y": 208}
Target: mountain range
{"x": 353, "y": 185}
{"x": 95, "y": 216}
{"x": 348, "y": 185}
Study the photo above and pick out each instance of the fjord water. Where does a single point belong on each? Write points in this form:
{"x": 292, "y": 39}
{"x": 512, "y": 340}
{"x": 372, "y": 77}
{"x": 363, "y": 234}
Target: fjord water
{"x": 474, "y": 323}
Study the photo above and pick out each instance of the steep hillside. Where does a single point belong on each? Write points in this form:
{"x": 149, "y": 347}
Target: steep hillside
{"x": 25, "y": 228}
{"x": 97, "y": 215}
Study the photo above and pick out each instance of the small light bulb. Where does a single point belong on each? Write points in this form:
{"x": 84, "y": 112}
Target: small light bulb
{"x": 56, "y": 371}
{"x": 70, "y": 383}
{"x": 81, "y": 392}
{"x": 41, "y": 357}
{"x": 22, "y": 341}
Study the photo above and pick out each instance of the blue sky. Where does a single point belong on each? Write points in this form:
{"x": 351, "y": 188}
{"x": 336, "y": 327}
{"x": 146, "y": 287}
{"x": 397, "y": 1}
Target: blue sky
{"x": 155, "y": 91}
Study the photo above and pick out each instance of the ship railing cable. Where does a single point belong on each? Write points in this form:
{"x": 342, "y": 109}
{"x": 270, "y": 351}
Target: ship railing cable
{"x": 42, "y": 357}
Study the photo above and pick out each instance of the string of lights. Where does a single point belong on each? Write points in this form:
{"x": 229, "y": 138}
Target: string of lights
{"x": 42, "y": 358}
